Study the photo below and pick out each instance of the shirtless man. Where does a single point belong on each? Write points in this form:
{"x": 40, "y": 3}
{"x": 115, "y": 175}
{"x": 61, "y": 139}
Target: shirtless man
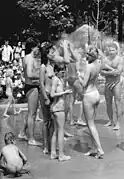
{"x": 31, "y": 65}
{"x": 113, "y": 84}
{"x": 58, "y": 111}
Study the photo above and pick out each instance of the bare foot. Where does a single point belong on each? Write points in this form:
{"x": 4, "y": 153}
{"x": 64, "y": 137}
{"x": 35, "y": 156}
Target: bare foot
{"x": 108, "y": 124}
{"x": 90, "y": 152}
{"x": 6, "y": 115}
{"x": 53, "y": 156}
{"x": 117, "y": 127}
{"x": 99, "y": 155}
{"x": 81, "y": 122}
{"x": 64, "y": 158}
{"x": 34, "y": 143}
{"x": 45, "y": 151}
{"x": 22, "y": 136}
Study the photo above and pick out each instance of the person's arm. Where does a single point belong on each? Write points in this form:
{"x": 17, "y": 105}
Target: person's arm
{"x": 32, "y": 75}
{"x": 85, "y": 78}
{"x": 75, "y": 55}
{"x": 53, "y": 90}
{"x": 24, "y": 158}
{"x": 1, "y": 155}
{"x": 66, "y": 57}
{"x": 120, "y": 66}
{"x": 42, "y": 81}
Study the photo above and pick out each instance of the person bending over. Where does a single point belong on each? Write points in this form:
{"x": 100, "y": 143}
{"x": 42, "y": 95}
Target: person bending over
{"x": 12, "y": 159}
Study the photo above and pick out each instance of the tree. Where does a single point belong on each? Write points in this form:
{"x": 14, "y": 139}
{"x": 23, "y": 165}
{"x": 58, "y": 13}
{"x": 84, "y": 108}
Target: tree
{"x": 47, "y": 17}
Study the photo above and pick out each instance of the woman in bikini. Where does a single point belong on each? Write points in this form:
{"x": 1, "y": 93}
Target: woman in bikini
{"x": 46, "y": 75}
{"x": 9, "y": 93}
{"x": 91, "y": 98}
{"x": 58, "y": 112}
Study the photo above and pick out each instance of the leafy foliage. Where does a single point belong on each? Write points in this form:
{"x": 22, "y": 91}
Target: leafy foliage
{"x": 47, "y": 16}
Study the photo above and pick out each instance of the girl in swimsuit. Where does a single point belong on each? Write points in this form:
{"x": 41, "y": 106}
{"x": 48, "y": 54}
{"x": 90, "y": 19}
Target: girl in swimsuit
{"x": 58, "y": 111}
{"x": 9, "y": 93}
{"x": 91, "y": 98}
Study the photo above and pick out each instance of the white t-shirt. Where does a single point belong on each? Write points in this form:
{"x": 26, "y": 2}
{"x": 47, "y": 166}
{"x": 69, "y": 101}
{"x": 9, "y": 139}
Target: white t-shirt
{"x": 6, "y": 52}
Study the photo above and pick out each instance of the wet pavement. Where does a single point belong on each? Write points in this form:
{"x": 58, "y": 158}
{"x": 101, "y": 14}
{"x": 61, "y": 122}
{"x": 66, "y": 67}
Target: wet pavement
{"x": 80, "y": 166}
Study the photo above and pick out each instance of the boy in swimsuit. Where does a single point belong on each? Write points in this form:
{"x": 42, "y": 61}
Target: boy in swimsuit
{"x": 11, "y": 157}
{"x": 9, "y": 93}
{"x": 58, "y": 112}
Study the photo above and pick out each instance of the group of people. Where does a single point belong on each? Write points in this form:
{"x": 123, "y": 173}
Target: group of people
{"x": 51, "y": 74}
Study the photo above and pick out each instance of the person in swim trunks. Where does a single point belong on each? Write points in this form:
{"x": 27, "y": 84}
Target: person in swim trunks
{"x": 113, "y": 85}
{"x": 31, "y": 67}
{"x": 58, "y": 112}
{"x": 91, "y": 99}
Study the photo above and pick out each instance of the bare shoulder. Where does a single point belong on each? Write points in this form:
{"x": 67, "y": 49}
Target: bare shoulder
{"x": 27, "y": 59}
{"x": 55, "y": 79}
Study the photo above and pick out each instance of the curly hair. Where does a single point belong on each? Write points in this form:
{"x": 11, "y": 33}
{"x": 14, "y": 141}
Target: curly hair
{"x": 9, "y": 138}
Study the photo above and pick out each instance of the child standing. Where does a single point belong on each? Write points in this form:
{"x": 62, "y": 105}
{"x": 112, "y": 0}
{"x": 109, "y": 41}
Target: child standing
{"x": 12, "y": 159}
{"x": 9, "y": 92}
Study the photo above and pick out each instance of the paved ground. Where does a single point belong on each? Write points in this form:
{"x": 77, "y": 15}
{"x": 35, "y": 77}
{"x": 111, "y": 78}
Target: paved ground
{"x": 80, "y": 166}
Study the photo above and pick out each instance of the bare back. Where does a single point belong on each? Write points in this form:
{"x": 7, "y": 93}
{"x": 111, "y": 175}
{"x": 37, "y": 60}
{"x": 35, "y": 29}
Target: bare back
{"x": 94, "y": 70}
{"x": 11, "y": 155}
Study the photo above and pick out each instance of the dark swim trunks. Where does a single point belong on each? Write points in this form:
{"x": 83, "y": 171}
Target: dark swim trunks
{"x": 28, "y": 87}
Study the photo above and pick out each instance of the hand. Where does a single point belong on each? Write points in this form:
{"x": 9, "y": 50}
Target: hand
{"x": 47, "y": 102}
{"x": 64, "y": 44}
{"x": 115, "y": 73}
{"x": 68, "y": 91}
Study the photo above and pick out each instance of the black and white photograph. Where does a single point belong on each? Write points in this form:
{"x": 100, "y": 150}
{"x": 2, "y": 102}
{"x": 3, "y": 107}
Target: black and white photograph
{"x": 62, "y": 89}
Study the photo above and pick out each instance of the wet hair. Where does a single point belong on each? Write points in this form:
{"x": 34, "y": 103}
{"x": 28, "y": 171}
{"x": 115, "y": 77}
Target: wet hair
{"x": 9, "y": 138}
{"x": 44, "y": 52}
{"x": 58, "y": 68}
{"x": 30, "y": 43}
{"x": 92, "y": 54}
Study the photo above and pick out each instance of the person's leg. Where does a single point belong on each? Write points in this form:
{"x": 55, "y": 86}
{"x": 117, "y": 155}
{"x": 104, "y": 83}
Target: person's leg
{"x": 90, "y": 113}
{"x": 60, "y": 119}
{"x": 32, "y": 110}
{"x": 118, "y": 105}
{"x": 22, "y": 134}
{"x": 54, "y": 140}
{"x": 80, "y": 120}
{"x": 72, "y": 101}
{"x": 45, "y": 129}
{"x": 6, "y": 109}
{"x": 109, "y": 100}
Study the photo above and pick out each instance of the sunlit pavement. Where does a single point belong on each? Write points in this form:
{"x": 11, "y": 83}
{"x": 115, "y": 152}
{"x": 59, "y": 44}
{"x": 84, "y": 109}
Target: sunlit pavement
{"x": 80, "y": 166}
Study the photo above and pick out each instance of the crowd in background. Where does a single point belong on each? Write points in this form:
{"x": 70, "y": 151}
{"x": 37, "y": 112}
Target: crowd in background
{"x": 11, "y": 58}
